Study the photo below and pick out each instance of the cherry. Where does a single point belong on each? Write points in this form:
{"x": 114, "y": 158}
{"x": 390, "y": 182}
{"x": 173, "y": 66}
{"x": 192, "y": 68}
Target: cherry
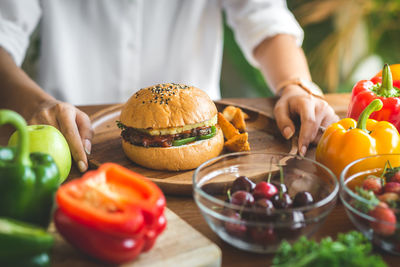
{"x": 236, "y": 229}
{"x": 281, "y": 187}
{"x": 303, "y": 198}
{"x": 264, "y": 190}
{"x": 373, "y": 183}
{"x": 281, "y": 201}
{"x": 263, "y": 210}
{"x": 264, "y": 203}
{"x": 242, "y": 183}
{"x": 296, "y": 222}
{"x": 262, "y": 235}
{"x": 242, "y": 198}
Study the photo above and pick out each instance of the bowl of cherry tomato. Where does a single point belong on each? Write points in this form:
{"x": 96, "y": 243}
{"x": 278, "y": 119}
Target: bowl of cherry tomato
{"x": 254, "y": 200}
{"x": 370, "y": 193}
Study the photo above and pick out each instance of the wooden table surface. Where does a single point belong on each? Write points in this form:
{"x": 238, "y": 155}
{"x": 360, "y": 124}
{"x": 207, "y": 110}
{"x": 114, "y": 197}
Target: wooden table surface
{"x": 185, "y": 207}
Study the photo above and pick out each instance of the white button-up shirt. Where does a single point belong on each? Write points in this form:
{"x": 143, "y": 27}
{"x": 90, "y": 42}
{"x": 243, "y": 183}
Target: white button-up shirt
{"x": 102, "y": 51}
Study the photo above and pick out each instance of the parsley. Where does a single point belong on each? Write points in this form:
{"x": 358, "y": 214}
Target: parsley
{"x": 350, "y": 249}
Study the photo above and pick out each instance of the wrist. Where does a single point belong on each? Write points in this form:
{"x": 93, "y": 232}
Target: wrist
{"x": 304, "y": 85}
{"x": 292, "y": 89}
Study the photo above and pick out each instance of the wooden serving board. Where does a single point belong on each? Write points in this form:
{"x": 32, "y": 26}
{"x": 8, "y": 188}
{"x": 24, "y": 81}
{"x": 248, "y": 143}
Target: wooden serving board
{"x": 106, "y": 146}
{"x": 178, "y": 245}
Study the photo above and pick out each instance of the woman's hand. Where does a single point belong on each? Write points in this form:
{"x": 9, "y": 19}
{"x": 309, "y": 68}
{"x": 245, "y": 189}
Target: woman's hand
{"x": 73, "y": 124}
{"x": 20, "y": 93}
{"x": 312, "y": 111}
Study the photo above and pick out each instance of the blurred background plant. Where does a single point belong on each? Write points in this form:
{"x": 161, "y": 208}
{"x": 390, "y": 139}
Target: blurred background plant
{"x": 345, "y": 41}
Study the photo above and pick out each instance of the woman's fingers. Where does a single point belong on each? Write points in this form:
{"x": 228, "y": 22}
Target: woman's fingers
{"x": 66, "y": 117}
{"x": 313, "y": 112}
{"x": 283, "y": 120}
{"x": 85, "y": 130}
{"x": 300, "y": 105}
{"x": 308, "y": 123}
{"x": 73, "y": 124}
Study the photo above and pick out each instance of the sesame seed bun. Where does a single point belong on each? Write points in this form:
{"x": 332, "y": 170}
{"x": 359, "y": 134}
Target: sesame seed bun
{"x": 168, "y": 106}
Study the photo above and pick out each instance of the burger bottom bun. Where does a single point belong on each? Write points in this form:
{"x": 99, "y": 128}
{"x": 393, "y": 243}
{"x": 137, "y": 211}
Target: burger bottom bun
{"x": 177, "y": 158}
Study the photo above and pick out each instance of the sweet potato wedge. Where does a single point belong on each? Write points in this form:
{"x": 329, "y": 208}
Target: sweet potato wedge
{"x": 228, "y": 129}
{"x": 238, "y": 143}
{"x": 230, "y": 111}
{"x": 238, "y": 121}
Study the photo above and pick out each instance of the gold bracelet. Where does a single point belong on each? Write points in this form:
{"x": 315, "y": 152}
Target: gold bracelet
{"x": 308, "y": 86}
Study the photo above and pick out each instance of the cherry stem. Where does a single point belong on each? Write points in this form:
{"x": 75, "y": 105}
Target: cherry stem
{"x": 281, "y": 178}
{"x": 270, "y": 171}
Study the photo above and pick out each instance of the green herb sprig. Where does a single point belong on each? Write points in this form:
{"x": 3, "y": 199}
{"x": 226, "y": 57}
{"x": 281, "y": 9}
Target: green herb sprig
{"x": 350, "y": 249}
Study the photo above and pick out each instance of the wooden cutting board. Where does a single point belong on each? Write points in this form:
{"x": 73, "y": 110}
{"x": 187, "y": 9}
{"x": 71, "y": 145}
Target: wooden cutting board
{"x": 178, "y": 245}
{"x": 106, "y": 146}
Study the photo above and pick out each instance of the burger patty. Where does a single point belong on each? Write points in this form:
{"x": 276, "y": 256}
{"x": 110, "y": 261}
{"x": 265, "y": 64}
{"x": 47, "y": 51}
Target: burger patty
{"x": 139, "y": 138}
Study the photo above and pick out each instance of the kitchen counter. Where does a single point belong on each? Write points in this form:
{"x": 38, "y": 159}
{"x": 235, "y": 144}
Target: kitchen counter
{"x": 186, "y": 208}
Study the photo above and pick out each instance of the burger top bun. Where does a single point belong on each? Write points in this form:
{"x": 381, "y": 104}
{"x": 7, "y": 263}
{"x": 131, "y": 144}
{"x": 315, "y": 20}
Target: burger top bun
{"x": 167, "y": 105}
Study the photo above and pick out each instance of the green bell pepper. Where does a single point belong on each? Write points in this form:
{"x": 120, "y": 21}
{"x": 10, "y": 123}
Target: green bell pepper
{"x": 208, "y": 136}
{"x": 28, "y": 182}
{"x": 181, "y": 142}
{"x": 41, "y": 260}
{"x": 22, "y": 244}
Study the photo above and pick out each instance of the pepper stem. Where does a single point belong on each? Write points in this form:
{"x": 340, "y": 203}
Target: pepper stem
{"x": 375, "y": 105}
{"x": 387, "y": 89}
{"x": 16, "y": 120}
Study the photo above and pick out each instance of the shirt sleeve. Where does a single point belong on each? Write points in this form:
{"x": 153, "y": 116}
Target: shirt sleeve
{"x": 255, "y": 20}
{"x": 18, "y": 19}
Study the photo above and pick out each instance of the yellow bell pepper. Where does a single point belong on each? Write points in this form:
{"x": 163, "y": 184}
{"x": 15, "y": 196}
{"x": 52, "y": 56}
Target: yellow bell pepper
{"x": 348, "y": 140}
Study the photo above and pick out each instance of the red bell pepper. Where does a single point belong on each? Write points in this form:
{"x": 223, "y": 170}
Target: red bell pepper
{"x": 383, "y": 88}
{"x": 112, "y": 213}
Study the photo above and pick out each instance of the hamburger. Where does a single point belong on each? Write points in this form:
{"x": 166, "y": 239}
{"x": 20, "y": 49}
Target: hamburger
{"x": 170, "y": 127}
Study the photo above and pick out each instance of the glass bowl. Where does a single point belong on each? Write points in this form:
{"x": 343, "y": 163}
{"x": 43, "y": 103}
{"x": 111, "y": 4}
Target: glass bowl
{"x": 254, "y": 228}
{"x": 379, "y": 228}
